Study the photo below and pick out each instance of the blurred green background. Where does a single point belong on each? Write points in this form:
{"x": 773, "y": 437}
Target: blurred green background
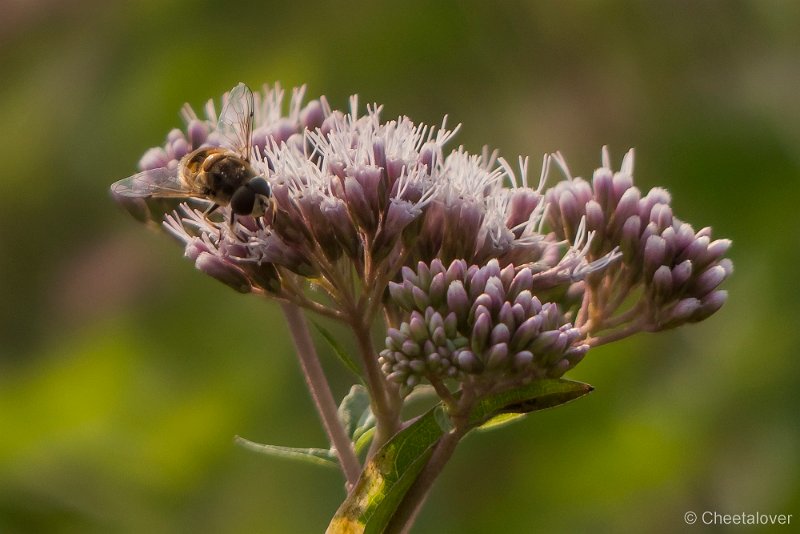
{"x": 124, "y": 373}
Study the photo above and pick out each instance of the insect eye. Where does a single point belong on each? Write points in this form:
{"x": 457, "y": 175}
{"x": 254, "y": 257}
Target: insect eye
{"x": 260, "y": 186}
{"x": 243, "y": 200}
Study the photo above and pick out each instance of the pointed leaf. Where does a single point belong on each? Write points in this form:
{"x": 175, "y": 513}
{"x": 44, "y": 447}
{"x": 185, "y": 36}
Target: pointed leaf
{"x": 538, "y": 395}
{"x": 324, "y": 457}
{"x": 342, "y": 354}
{"x": 391, "y": 472}
{"x": 499, "y": 421}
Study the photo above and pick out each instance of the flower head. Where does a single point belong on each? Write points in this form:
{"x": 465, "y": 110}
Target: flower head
{"x": 677, "y": 269}
{"x": 483, "y": 325}
{"x": 353, "y": 192}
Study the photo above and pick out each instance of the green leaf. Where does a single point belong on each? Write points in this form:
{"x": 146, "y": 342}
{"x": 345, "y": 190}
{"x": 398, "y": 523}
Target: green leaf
{"x": 391, "y": 472}
{"x": 354, "y": 409}
{"x": 324, "y": 457}
{"x": 421, "y": 392}
{"x": 367, "y": 419}
{"x": 536, "y": 396}
{"x": 442, "y": 419}
{"x": 365, "y": 425}
{"x": 501, "y": 420}
{"x": 342, "y": 354}
{"x": 387, "y": 477}
{"x": 363, "y": 440}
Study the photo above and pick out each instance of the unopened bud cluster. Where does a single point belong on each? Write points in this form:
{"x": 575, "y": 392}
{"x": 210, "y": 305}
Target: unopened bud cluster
{"x": 483, "y": 324}
{"x": 679, "y": 268}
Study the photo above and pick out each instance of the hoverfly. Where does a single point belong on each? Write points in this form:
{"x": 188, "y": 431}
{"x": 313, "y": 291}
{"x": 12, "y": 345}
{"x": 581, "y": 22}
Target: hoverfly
{"x": 220, "y": 174}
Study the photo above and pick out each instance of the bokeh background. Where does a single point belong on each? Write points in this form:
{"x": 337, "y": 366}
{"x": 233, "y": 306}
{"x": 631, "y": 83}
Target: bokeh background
{"x": 124, "y": 373}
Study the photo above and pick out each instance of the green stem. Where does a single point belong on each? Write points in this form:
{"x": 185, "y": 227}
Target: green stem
{"x": 406, "y": 513}
{"x": 408, "y": 509}
{"x": 321, "y": 392}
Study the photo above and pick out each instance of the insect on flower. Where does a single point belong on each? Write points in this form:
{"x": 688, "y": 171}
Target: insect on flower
{"x": 220, "y": 174}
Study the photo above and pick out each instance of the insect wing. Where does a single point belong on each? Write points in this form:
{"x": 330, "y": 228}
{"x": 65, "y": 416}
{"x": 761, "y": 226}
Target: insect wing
{"x": 162, "y": 182}
{"x": 236, "y": 121}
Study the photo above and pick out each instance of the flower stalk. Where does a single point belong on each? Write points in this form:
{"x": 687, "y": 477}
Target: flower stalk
{"x": 321, "y": 392}
{"x": 384, "y": 401}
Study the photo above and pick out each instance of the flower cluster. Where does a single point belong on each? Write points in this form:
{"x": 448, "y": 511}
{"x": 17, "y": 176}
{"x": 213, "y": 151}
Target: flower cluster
{"x": 678, "y": 268}
{"x": 489, "y": 279}
{"x": 482, "y": 324}
{"x": 351, "y": 191}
